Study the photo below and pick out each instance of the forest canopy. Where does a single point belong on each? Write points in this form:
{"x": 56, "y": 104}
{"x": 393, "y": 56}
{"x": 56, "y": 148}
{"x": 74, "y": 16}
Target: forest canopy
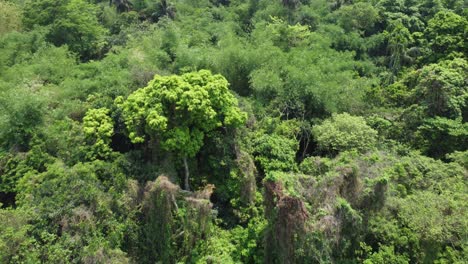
{"x": 233, "y": 131}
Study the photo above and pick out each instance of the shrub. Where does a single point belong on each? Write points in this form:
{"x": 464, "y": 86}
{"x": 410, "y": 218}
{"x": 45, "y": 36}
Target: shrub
{"x": 344, "y": 132}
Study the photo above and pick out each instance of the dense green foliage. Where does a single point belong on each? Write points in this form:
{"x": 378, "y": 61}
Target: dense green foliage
{"x": 11, "y": 17}
{"x": 233, "y": 131}
{"x": 344, "y": 132}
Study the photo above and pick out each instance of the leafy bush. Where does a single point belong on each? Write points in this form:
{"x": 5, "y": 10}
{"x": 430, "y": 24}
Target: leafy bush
{"x": 344, "y": 132}
{"x": 98, "y": 128}
{"x": 11, "y": 17}
{"x": 21, "y": 113}
{"x": 72, "y": 22}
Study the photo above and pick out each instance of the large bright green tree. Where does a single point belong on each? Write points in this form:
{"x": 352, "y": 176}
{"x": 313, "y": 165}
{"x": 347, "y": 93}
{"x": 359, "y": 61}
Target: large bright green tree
{"x": 179, "y": 111}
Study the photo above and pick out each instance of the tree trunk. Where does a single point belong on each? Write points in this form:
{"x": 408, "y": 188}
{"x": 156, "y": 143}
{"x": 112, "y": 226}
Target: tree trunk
{"x": 187, "y": 174}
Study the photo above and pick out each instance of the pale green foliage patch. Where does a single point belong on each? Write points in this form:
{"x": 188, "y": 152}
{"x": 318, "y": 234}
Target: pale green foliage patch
{"x": 10, "y": 17}
{"x": 345, "y": 132}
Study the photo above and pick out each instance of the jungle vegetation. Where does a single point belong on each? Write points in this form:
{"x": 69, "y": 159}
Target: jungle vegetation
{"x": 233, "y": 131}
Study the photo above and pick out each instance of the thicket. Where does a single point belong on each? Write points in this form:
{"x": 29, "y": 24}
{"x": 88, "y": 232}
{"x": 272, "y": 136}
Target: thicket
{"x": 233, "y": 131}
